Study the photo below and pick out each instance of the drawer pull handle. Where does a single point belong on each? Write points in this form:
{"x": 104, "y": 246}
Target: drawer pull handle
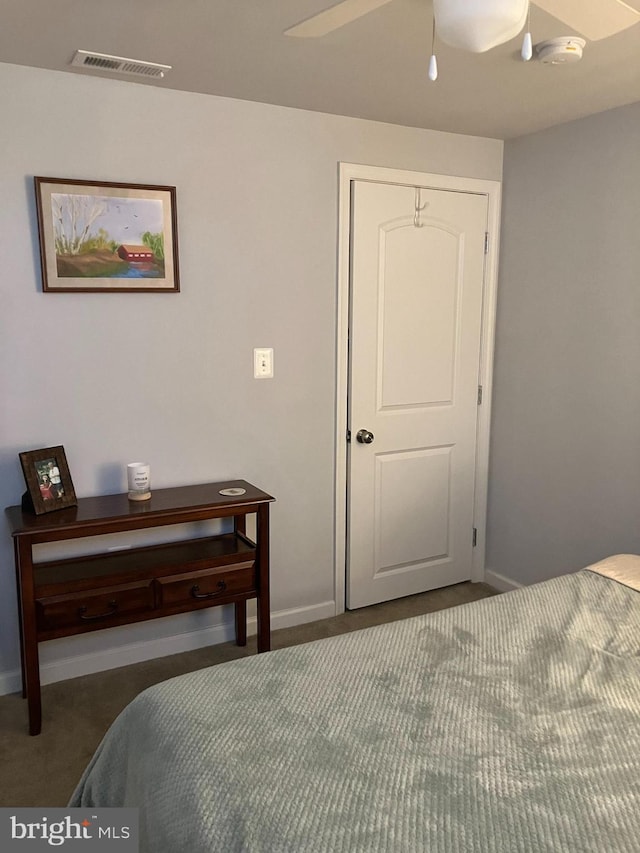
{"x": 195, "y": 591}
{"x": 113, "y": 607}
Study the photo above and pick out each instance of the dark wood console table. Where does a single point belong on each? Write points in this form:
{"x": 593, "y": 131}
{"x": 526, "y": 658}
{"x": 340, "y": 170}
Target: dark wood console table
{"x": 62, "y": 597}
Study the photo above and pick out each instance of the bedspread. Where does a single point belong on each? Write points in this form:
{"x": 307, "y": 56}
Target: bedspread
{"x": 509, "y": 724}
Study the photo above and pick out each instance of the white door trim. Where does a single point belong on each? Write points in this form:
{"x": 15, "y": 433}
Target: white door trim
{"x": 492, "y": 189}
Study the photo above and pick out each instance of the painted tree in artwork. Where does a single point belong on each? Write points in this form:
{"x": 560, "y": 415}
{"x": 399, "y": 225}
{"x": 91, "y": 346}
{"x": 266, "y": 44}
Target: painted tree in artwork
{"x": 73, "y": 216}
{"x": 100, "y": 241}
{"x": 155, "y": 242}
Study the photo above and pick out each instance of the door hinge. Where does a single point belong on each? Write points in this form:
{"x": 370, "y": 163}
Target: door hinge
{"x": 486, "y": 242}
{"x": 479, "y": 395}
{"x": 348, "y": 436}
{"x": 474, "y": 541}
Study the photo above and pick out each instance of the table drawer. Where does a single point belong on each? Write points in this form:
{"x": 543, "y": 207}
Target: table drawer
{"x": 95, "y": 607}
{"x": 206, "y": 585}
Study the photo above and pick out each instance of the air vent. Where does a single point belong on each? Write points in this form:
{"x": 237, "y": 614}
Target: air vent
{"x": 118, "y": 64}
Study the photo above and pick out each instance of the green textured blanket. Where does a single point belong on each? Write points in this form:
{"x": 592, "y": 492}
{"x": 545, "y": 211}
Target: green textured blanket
{"x": 510, "y": 724}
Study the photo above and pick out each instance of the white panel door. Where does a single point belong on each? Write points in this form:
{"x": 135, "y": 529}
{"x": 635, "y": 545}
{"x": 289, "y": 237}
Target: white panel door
{"x": 417, "y": 270}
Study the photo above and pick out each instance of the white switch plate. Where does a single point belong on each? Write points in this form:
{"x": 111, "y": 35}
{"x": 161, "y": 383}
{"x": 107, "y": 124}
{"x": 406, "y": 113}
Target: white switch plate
{"x": 263, "y": 363}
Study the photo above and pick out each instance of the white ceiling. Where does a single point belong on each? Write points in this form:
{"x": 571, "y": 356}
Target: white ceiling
{"x": 375, "y": 67}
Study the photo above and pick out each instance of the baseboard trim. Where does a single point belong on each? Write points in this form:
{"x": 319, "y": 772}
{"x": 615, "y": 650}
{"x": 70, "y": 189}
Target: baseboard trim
{"x": 73, "y": 667}
{"x": 500, "y": 582}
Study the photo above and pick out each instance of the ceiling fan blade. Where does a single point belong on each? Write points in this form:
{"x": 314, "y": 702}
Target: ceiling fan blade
{"x": 334, "y": 18}
{"x": 593, "y": 20}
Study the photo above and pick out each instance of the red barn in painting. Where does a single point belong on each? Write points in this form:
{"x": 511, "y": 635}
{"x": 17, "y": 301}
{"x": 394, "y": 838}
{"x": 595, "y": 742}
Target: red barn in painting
{"x": 135, "y": 253}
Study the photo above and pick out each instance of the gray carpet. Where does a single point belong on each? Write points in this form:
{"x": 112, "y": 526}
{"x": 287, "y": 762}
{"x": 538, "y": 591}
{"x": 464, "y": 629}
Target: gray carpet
{"x": 43, "y": 770}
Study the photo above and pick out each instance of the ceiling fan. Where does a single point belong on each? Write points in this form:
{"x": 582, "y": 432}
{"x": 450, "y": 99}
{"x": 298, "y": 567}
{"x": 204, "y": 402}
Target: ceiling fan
{"x": 479, "y": 25}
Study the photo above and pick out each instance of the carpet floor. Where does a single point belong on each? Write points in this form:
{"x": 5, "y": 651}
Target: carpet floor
{"x": 44, "y": 770}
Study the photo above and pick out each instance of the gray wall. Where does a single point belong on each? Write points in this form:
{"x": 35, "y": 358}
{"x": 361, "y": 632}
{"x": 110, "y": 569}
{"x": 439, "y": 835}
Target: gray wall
{"x": 564, "y": 484}
{"x": 168, "y": 378}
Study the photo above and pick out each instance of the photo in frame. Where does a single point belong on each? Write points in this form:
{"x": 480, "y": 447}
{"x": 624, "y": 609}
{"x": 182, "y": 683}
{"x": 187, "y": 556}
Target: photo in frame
{"x": 49, "y": 484}
{"x": 98, "y": 236}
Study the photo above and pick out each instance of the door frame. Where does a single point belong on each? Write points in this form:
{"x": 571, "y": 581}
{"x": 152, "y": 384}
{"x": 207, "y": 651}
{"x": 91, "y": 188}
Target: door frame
{"x": 349, "y": 172}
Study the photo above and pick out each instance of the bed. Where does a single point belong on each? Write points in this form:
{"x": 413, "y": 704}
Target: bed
{"x": 509, "y": 724}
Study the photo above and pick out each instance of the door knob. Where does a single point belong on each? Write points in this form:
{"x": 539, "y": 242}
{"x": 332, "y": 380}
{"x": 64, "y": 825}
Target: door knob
{"x": 364, "y": 436}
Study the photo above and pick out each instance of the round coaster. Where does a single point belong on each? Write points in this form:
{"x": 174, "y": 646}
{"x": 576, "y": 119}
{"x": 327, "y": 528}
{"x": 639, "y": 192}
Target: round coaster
{"x": 233, "y": 493}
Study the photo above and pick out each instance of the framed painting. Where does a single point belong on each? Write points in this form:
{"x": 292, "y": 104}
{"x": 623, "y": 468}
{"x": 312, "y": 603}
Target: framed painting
{"x": 107, "y": 237}
{"x": 48, "y": 480}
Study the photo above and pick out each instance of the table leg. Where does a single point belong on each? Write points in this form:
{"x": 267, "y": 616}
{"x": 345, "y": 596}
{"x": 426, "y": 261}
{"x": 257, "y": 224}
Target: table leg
{"x": 264, "y": 613}
{"x": 241, "y": 622}
{"x": 22, "y": 668}
{"x": 29, "y": 637}
{"x": 34, "y": 701}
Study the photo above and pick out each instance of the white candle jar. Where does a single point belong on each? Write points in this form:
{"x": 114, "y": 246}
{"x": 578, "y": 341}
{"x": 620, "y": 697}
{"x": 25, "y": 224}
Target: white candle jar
{"x": 139, "y": 481}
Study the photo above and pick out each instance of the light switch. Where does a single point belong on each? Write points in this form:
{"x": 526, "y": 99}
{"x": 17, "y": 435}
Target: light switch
{"x": 263, "y": 363}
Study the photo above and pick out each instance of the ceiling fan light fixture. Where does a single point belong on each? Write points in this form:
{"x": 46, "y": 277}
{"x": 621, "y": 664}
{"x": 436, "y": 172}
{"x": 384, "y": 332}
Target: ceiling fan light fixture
{"x": 479, "y": 25}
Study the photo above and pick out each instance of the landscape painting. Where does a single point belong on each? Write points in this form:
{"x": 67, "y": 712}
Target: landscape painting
{"x": 106, "y": 236}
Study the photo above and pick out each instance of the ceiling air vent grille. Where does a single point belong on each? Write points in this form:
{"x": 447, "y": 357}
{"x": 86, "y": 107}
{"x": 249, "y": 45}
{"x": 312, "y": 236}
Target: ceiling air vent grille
{"x": 118, "y": 64}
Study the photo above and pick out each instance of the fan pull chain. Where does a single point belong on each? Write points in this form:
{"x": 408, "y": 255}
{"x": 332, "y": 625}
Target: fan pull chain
{"x": 433, "y": 62}
{"x": 527, "y": 45}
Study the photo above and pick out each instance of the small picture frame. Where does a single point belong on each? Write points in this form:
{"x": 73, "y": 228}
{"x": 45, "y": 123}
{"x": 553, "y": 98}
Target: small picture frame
{"x": 49, "y": 485}
{"x": 102, "y": 236}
